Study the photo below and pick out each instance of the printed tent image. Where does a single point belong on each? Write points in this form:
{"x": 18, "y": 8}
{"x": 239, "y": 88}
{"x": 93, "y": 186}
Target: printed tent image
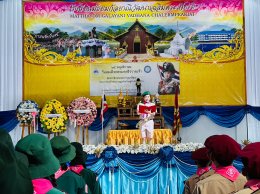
{"x": 137, "y": 39}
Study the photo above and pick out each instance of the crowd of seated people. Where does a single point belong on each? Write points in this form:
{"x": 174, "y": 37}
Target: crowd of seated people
{"x": 38, "y": 165}
{"x": 216, "y": 174}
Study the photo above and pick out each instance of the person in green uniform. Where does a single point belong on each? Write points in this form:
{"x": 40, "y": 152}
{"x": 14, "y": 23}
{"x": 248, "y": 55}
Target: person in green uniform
{"x": 14, "y": 174}
{"x": 66, "y": 179}
{"x": 78, "y": 165}
{"x": 42, "y": 163}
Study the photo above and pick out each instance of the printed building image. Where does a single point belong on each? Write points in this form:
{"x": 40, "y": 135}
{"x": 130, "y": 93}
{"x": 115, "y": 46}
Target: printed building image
{"x": 218, "y": 36}
{"x": 137, "y": 39}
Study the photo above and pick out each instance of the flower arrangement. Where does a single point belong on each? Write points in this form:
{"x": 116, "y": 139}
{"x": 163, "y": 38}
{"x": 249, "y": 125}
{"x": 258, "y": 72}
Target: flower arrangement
{"x": 26, "y": 111}
{"x": 187, "y": 147}
{"x": 82, "y": 111}
{"x": 53, "y": 117}
{"x": 143, "y": 148}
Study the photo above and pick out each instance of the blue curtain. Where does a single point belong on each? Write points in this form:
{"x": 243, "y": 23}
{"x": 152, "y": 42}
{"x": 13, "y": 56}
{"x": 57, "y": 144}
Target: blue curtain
{"x": 8, "y": 120}
{"x": 225, "y": 116}
{"x": 144, "y": 173}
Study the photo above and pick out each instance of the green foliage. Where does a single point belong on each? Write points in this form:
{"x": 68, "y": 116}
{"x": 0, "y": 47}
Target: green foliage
{"x": 119, "y": 31}
{"x": 170, "y": 33}
{"x": 84, "y": 36}
{"x": 160, "y": 33}
{"x": 195, "y": 38}
{"x": 46, "y": 30}
{"x": 110, "y": 32}
{"x": 56, "y": 30}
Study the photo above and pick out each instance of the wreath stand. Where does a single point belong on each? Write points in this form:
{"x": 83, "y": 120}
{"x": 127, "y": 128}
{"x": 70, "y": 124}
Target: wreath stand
{"x": 83, "y": 135}
{"x": 54, "y": 134}
{"x": 24, "y": 126}
{"x": 30, "y": 128}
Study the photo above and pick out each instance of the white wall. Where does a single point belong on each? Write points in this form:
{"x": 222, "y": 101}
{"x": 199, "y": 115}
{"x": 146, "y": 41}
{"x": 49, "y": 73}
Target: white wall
{"x": 204, "y": 128}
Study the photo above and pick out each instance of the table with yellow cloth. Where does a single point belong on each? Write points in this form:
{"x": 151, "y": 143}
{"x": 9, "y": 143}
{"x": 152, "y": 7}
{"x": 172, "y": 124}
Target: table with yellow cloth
{"x": 133, "y": 137}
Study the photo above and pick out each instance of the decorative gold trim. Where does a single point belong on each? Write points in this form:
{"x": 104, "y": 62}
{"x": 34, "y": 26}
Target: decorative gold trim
{"x": 40, "y": 56}
{"x": 222, "y": 54}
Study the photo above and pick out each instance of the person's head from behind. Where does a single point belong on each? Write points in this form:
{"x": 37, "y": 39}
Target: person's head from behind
{"x": 146, "y": 96}
{"x": 201, "y": 158}
{"x": 63, "y": 150}
{"x": 14, "y": 173}
{"x": 37, "y": 148}
{"x": 222, "y": 149}
{"x": 80, "y": 156}
{"x": 250, "y": 156}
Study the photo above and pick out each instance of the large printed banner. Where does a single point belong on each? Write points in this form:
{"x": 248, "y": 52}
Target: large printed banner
{"x": 113, "y": 78}
{"x": 74, "y": 49}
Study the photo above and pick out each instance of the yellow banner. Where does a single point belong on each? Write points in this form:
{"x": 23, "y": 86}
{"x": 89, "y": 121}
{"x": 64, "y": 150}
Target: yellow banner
{"x": 199, "y": 44}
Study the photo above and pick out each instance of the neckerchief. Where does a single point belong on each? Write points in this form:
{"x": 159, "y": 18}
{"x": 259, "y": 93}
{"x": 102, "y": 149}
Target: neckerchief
{"x": 59, "y": 173}
{"x": 253, "y": 184}
{"x": 41, "y": 186}
{"x": 201, "y": 171}
{"x": 229, "y": 172}
{"x": 77, "y": 169}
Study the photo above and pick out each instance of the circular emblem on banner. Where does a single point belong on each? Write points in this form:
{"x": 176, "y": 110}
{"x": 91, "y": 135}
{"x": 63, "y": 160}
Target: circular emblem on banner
{"x": 147, "y": 69}
{"x": 96, "y": 71}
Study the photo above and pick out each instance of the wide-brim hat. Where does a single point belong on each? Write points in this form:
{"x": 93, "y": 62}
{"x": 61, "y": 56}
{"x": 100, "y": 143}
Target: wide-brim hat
{"x": 200, "y": 154}
{"x": 37, "y": 148}
{"x": 79, "y": 159}
{"x": 62, "y": 149}
{"x": 224, "y": 148}
{"x": 250, "y": 156}
{"x": 15, "y": 177}
{"x": 14, "y": 174}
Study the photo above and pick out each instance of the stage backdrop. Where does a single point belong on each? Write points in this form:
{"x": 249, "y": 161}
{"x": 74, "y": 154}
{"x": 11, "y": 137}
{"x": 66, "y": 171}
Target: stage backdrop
{"x": 85, "y": 48}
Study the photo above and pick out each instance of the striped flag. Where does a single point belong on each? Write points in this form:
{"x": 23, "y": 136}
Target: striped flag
{"x": 104, "y": 106}
{"x": 177, "y": 118}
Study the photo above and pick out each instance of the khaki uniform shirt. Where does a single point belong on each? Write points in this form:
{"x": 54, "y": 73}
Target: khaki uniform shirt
{"x": 191, "y": 182}
{"x": 217, "y": 184}
{"x": 247, "y": 191}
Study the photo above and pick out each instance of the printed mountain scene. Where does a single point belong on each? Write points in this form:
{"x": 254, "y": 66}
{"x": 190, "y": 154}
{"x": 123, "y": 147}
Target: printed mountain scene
{"x": 137, "y": 32}
{"x": 134, "y": 41}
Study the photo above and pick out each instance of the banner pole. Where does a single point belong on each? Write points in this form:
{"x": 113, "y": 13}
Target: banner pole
{"x": 102, "y": 118}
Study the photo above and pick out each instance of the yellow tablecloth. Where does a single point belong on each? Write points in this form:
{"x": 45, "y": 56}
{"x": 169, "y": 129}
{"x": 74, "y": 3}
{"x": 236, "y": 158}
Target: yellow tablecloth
{"x": 132, "y": 137}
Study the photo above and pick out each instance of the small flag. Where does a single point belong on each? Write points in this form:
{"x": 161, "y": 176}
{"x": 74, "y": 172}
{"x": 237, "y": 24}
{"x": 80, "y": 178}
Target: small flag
{"x": 177, "y": 118}
{"x": 104, "y": 106}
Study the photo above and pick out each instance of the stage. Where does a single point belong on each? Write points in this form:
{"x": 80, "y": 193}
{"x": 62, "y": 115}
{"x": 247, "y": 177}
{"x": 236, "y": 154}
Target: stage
{"x": 127, "y": 169}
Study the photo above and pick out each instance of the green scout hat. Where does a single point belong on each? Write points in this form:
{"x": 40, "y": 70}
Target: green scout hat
{"x": 42, "y": 162}
{"x": 146, "y": 93}
{"x": 62, "y": 149}
{"x": 14, "y": 174}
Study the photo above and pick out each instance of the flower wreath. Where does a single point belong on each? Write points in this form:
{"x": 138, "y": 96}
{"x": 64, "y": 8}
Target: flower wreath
{"x": 26, "y": 111}
{"x": 82, "y": 111}
{"x": 53, "y": 117}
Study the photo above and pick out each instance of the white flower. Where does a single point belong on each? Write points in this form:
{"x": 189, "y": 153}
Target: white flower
{"x": 148, "y": 149}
